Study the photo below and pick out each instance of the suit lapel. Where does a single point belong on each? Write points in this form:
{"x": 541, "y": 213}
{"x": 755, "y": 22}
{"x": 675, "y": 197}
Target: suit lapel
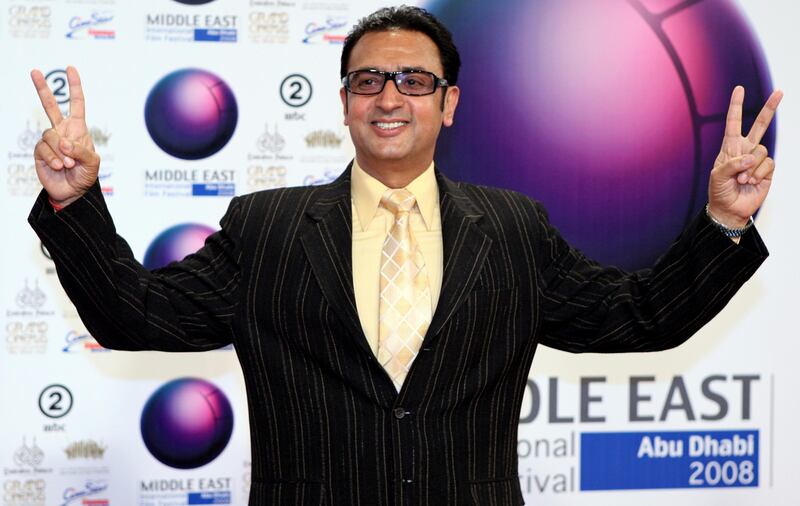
{"x": 328, "y": 246}
{"x": 465, "y": 248}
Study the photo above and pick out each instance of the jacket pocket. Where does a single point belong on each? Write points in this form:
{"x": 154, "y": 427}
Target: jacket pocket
{"x": 500, "y": 492}
{"x": 288, "y": 493}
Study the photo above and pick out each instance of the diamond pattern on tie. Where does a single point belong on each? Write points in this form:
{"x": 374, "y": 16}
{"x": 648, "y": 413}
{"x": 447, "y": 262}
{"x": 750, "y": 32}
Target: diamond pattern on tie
{"x": 405, "y": 298}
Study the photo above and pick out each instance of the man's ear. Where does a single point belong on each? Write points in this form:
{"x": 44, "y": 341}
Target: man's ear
{"x": 450, "y": 103}
{"x": 343, "y": 96}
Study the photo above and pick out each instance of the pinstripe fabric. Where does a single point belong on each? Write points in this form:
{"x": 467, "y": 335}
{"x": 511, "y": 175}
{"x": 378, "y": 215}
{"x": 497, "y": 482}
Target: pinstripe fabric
{"x": 327, "y": 425}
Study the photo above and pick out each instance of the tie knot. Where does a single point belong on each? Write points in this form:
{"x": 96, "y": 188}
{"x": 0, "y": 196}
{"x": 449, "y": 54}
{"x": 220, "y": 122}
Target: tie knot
{"x": 398, "y": 200}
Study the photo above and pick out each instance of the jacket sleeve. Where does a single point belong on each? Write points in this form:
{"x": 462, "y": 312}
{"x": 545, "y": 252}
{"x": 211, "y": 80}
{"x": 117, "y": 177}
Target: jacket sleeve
{"x": 590, "y": 308}
{"x": 185, "y": 306}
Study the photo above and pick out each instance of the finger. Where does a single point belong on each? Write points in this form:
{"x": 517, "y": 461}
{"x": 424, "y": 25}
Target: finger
{"x": 764, "y": 171}
{"x": 52, "y": 139}
{"x": 44, "y": 154}
{"x": 736, "y": 167}
{"x": 55, "y": 141}
{"x": 764, "y": 117}
{"x": 46, "y": 98}
{"x": 760, "y": 153}
{"x": 77, "y": 107}
{"x": 733, "y": 123}
{"x": 80, "y": 153}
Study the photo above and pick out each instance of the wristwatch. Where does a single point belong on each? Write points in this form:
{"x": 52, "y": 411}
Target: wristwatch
{"x": 729, "y": 232}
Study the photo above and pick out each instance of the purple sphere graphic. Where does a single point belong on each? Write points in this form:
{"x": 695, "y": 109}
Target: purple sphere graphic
{"x": 187, "y": 423}
{"x": 191, "y": 113}
{"x": 175, "y": 243}
{"x": 611, "y": 113}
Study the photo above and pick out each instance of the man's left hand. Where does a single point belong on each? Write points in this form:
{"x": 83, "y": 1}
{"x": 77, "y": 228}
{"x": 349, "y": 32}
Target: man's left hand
{"x": 742, "y": 173}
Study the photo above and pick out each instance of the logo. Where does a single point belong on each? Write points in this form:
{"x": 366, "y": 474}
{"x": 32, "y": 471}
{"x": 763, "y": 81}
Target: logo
{"x": 29, "y": 22}
{"x": 189, "y": 183}
{"x": 90, "y": 488}
{"x": 325, "y": 6}
{"x": 81, "y": 341}
{"x": 174, "y": 243}
{"x": 271, "y": 143}
{"x": 272, "y": 3}
{"x": 27, "y": 460}
{"x": 270, "y": 146}
{"x": 296, "y": 90}
{"x": 676, "y": 459}
{"x": 24, "y": 492}
{"x": 30, "y": 302}
{"x": 26, "y": 338}
{"x": 194, "y": 2}
{"x": 57, "y": 82}
{"x": 31, "y": 298}
{"x": 55, "y": 401}
{"x": 87, "y": 449}
{"x": 191, "y": 27}
{"x": 331, "y": 31}
{"x": 187, "y": 423}
{"x": 99, "y": 137}
{"x": 325, "y": 147}
{"x": 265, "y": 178}
{"x": 323, "y": 139}
{"x": 187, "y": 490}
{"x": 191, "y": 114}
{"x": 315, "y": 179}
{"x": 30, "y": 456}
{"x": 26, "y": 141}
{"x": 21, "y": 180}
{"x": 96, "y": 26}
{"x": 268, "y": 27}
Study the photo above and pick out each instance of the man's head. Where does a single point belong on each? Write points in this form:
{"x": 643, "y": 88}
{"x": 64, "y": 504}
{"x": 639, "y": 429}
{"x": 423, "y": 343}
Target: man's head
{"x": 414, "y": 19}
{"x": 394, "y": 128}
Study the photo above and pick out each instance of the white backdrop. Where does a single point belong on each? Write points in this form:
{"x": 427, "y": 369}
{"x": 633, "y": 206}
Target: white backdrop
{"x": 53, "y": 451}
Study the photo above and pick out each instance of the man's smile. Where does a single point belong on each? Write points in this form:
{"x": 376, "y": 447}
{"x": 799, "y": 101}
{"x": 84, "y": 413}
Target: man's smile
{"x": 389, "y": 127}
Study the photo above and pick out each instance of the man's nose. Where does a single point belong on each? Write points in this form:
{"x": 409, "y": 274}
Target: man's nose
{"x": 390, "y": 98}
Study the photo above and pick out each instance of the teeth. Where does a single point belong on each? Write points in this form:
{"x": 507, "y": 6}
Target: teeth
{"x": 389, "y": 126}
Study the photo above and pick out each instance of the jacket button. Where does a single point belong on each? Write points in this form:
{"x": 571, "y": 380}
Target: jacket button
{"x": 399, "y": 413}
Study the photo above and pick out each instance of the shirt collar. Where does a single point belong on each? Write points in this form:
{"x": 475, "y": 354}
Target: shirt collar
{"x": 366, "y": 192}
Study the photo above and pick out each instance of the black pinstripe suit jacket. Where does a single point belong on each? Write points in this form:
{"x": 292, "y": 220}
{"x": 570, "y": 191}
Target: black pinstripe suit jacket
{"x": 327, "y": 426}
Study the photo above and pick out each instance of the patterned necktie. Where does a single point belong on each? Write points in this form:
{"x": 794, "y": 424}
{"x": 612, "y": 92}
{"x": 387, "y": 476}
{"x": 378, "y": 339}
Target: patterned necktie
{"x": 405, "y": 305}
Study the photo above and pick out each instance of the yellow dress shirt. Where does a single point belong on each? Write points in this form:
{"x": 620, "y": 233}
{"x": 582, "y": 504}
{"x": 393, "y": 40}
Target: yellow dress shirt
{"x": 371, "y": 224}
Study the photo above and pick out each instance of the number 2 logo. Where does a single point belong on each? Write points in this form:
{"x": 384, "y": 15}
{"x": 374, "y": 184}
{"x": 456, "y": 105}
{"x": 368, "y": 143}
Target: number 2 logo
{"x": 55, "y": 401}
{"x": 296, "y": 90}
{"x": 57, "y": 81}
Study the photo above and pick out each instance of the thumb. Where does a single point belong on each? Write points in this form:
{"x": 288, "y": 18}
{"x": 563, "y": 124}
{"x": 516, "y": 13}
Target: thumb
{"x": 735, "y": 166}
{"x": 80, "y": 153}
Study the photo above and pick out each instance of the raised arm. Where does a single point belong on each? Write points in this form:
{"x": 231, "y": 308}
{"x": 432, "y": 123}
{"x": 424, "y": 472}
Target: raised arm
{"x": 742, "y": 173}
{"x": 66, "y": 162}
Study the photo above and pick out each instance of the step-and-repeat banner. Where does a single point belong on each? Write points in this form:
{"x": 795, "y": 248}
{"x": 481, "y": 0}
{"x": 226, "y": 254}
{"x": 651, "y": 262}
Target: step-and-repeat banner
{"x": 609, "y": 112}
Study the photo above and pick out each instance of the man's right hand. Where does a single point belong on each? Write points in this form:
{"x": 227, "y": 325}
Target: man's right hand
{"x": 66, "y": 162}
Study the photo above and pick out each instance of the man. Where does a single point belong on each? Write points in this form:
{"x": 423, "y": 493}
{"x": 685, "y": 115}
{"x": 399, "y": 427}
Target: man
{"x": 385, "y": 342}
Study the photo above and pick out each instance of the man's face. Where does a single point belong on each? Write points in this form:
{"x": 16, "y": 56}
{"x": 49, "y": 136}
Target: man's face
{"x": 392, "y": 131}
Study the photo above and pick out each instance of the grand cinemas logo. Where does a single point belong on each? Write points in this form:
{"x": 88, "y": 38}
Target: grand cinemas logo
{"x": 268, "y": 27}
{"x": 29, "y": 21}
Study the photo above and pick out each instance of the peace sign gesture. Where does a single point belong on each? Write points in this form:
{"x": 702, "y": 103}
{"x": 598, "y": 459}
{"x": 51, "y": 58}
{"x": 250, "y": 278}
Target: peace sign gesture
{"x": 742, "y": 173}
{"x": 66, "y": 162}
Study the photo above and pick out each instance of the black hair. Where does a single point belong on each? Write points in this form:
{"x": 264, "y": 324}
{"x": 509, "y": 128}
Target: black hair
{"x": 406, "y": 17}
